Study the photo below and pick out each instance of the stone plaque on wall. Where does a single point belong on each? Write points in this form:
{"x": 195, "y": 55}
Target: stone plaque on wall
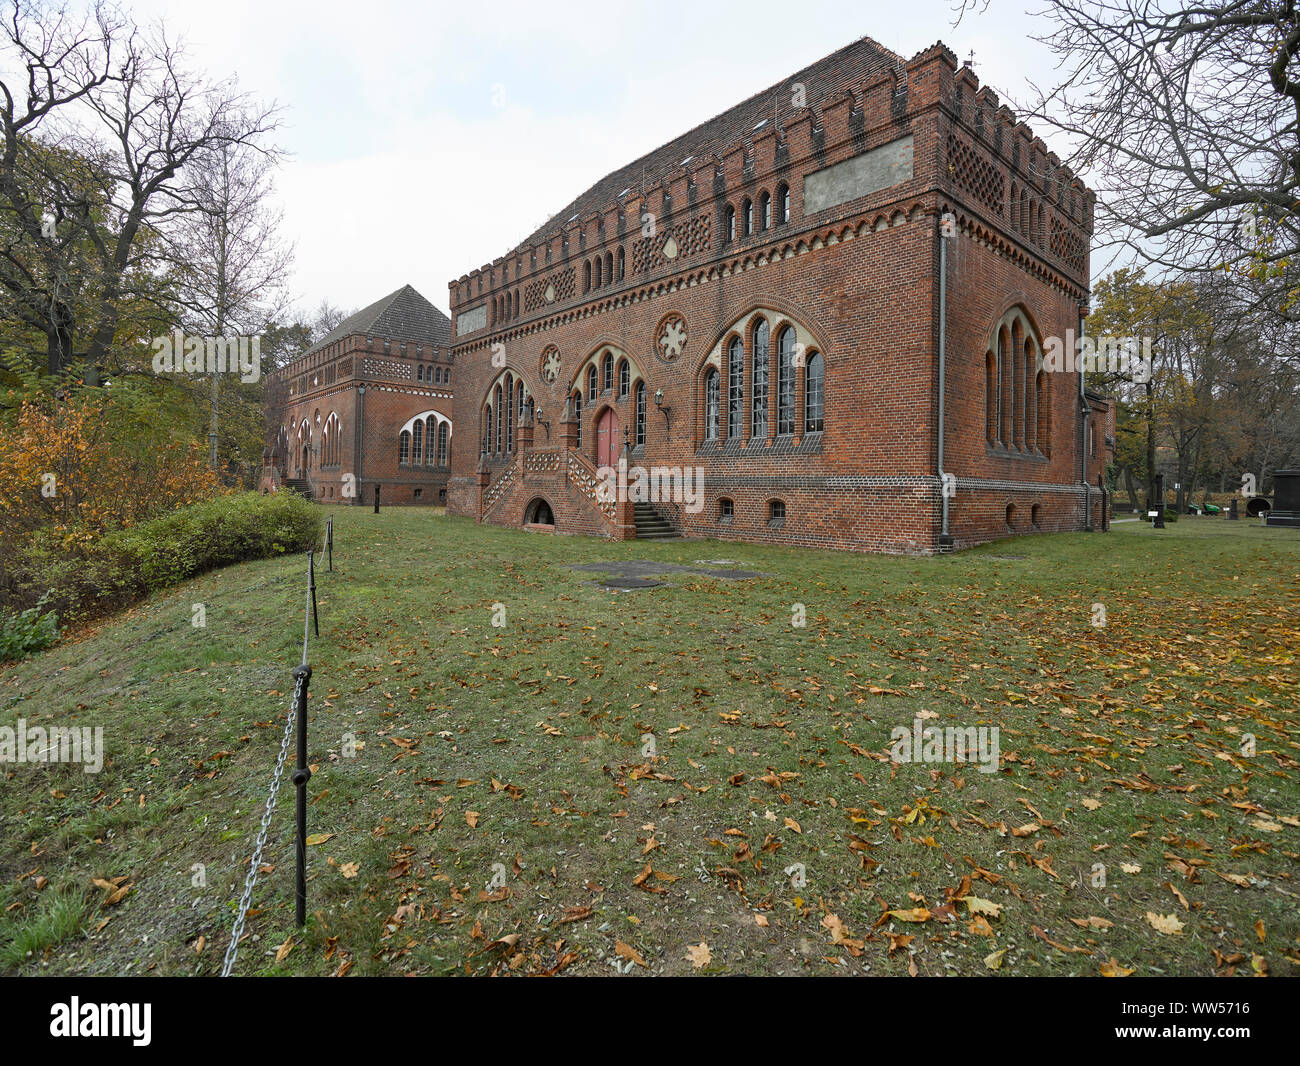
{"x": 469, "y": 321}
{"x": 866, "y": 173}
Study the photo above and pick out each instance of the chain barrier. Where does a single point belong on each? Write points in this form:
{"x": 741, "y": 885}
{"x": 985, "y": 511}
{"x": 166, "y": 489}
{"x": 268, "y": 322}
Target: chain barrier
{"x": 301, "y": 774}
{"x": 250, "y": 882}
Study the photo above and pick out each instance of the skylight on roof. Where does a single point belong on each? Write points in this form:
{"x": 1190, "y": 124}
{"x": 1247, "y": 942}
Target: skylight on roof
{"x": 686, "y": 160}
{"x": 626, "y": 191}
{"x": 760, "y": 125}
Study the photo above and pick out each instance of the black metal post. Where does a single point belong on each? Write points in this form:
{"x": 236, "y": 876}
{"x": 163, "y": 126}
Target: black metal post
{"x": 1105, "y": 503}
{"x": 329, "y": 543}
{"x": 1232, "y": 510}
{"x": 301, "y": 775}
{"x": 311, "y": 582}
{"x": 1159, "y": 521}
{"x": 376, "y": 499}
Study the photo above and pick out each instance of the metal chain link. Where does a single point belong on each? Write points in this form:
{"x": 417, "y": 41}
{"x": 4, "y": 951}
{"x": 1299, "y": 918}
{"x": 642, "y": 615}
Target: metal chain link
{"x": 251, "y": 881}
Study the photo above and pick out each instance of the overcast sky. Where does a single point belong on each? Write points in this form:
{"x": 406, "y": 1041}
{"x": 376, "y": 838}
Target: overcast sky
{"x": 427, "y": 139}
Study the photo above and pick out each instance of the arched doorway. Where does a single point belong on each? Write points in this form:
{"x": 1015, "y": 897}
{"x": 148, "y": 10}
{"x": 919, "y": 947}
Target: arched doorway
{"x": 607, "y": 438}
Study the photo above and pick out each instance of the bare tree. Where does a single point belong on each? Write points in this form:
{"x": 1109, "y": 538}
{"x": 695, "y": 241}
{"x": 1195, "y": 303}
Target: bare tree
{"x": 1185, "y": 117}
{"x": 229, "y": 269}
{"x": 94, "y": 97}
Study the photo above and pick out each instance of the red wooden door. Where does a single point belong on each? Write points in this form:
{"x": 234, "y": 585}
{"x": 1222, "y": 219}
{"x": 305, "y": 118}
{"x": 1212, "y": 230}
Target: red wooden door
{"x": 607, "y": 438}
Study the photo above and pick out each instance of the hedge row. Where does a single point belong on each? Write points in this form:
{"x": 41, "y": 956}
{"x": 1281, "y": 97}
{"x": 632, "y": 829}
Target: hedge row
{"x": 129, "y": 564}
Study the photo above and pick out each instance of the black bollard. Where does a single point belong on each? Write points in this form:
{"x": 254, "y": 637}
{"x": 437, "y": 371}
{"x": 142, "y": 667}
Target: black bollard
{"x": 376, "y": 499}
{"x": 1232, "y": 510}
{"x": 301, "y": 775}
{"x": 329, "y": 543}
{"x": 311, "y": 581}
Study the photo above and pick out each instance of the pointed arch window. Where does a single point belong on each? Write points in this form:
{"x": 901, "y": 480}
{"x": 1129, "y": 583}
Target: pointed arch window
{"x": 759, "y": 378}
{"x": 711, "y": 404}
{"x": 814, "y": 394}
{"x": 747, "y": 218}
{"x": 624, "y": 379}
{"x": 593, "y": 384}
{"x": 417, "y": 442}
{"x": 442, "y": 443}
{"x": 577, "y": 410}
{"x": 729, "y": 223}
{"x": 735, "y": 387}
{"x": 607, "y": 373}
{"x": 765, "y": 211}
{"x": 782, "y": 204}
{"x": 785, "y": 383}
{"x": 640, "y": 413}
{"x": 496, "y": 406}
{"x": 404, "y": 447}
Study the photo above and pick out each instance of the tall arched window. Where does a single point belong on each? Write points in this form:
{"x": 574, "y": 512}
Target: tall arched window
{"x": 496, "y": 406}
{"x": 577, "y": 410}
{"x": 417, "y": 443}
{"x": 609, "y": 267}
{"x": 442, "y": 443}
{"x": 607, "y": 373}
{"x": 758, "y": 392}
{"x": 508, "y": 410}
{"x": 620, "y": 264}
{"x": 711, "y": 404}
{"x": 765, "y": 211}
{"x": 814, "y": 394}
{"x": 735, "y": 387}
{"x": 747, "y": 218}
{"x": 624, "y": 378}
{"x": 990, "y": 398}
{"x": 640, "y": 413}
{"x": 782, "y": 204}
{"x": 785, "y": 382}
{"x": 729, "y": 223}
{"x": 487, "y": 430}
{"x": 519, "y": 402}
{"x": 419, "y": 373}
{"x": 600, "y": 265}
{"x": 404, "y": 448}
{"x": 586, "y": 276}
{"x": 593, "y": 386}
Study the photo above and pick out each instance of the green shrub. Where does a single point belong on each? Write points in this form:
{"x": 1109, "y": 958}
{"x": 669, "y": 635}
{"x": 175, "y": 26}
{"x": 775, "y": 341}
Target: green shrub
{"x": 27, "y": 631}
{"x": 129, "y": 564}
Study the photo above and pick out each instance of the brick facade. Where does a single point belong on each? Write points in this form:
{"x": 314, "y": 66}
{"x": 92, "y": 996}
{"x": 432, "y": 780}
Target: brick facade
{"x": 879, "y": 153}
{"x": 339, "y": 410}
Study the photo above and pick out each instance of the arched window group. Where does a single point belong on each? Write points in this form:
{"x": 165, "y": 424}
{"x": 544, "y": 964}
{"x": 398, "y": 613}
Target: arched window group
{"x": 432, "y": 375}
{"x": 505, "y": 307}
{"x": 425, "y": 441}
{"x": 331, "y": 441}
{"x": 601, "y": 271}
{"x": 610, "y": 376}
{"x": 1027, "y": 214}
{"x": 1017, "y": 396}
{"x": 507, "y": 406}
{"x": 770, "y": 210}
{"x": 753, "y": 390}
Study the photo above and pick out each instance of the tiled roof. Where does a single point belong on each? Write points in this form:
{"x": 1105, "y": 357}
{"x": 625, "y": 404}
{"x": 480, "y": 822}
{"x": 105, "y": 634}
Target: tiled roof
{"x": 404, "y": 314}
{"x": 822, "y": 81}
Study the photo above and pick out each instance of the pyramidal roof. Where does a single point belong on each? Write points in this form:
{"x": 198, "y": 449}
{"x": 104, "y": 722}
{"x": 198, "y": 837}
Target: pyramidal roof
{"x": 846, "y": 68}
{"x": 403, "y": 314}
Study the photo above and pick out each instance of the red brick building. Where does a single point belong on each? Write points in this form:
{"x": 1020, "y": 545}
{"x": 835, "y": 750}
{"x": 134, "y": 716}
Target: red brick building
{"x": 832, "y": 299}
{"x": 369, "y": 405}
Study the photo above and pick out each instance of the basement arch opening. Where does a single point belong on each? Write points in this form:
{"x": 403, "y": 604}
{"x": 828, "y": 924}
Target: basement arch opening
{"x": 539, "y": 513}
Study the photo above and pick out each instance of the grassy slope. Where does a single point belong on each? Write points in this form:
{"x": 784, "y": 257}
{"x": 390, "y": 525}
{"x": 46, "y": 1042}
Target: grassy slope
{"x": 537, "y": 727}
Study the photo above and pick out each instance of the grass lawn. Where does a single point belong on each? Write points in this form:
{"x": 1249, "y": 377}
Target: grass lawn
{"x": 1125, "y": 752}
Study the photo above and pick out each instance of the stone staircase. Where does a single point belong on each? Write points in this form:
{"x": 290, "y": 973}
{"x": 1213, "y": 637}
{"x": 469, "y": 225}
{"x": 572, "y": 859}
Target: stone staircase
{"x": 299, "y": 485}
{"x": 650, "y": 524}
